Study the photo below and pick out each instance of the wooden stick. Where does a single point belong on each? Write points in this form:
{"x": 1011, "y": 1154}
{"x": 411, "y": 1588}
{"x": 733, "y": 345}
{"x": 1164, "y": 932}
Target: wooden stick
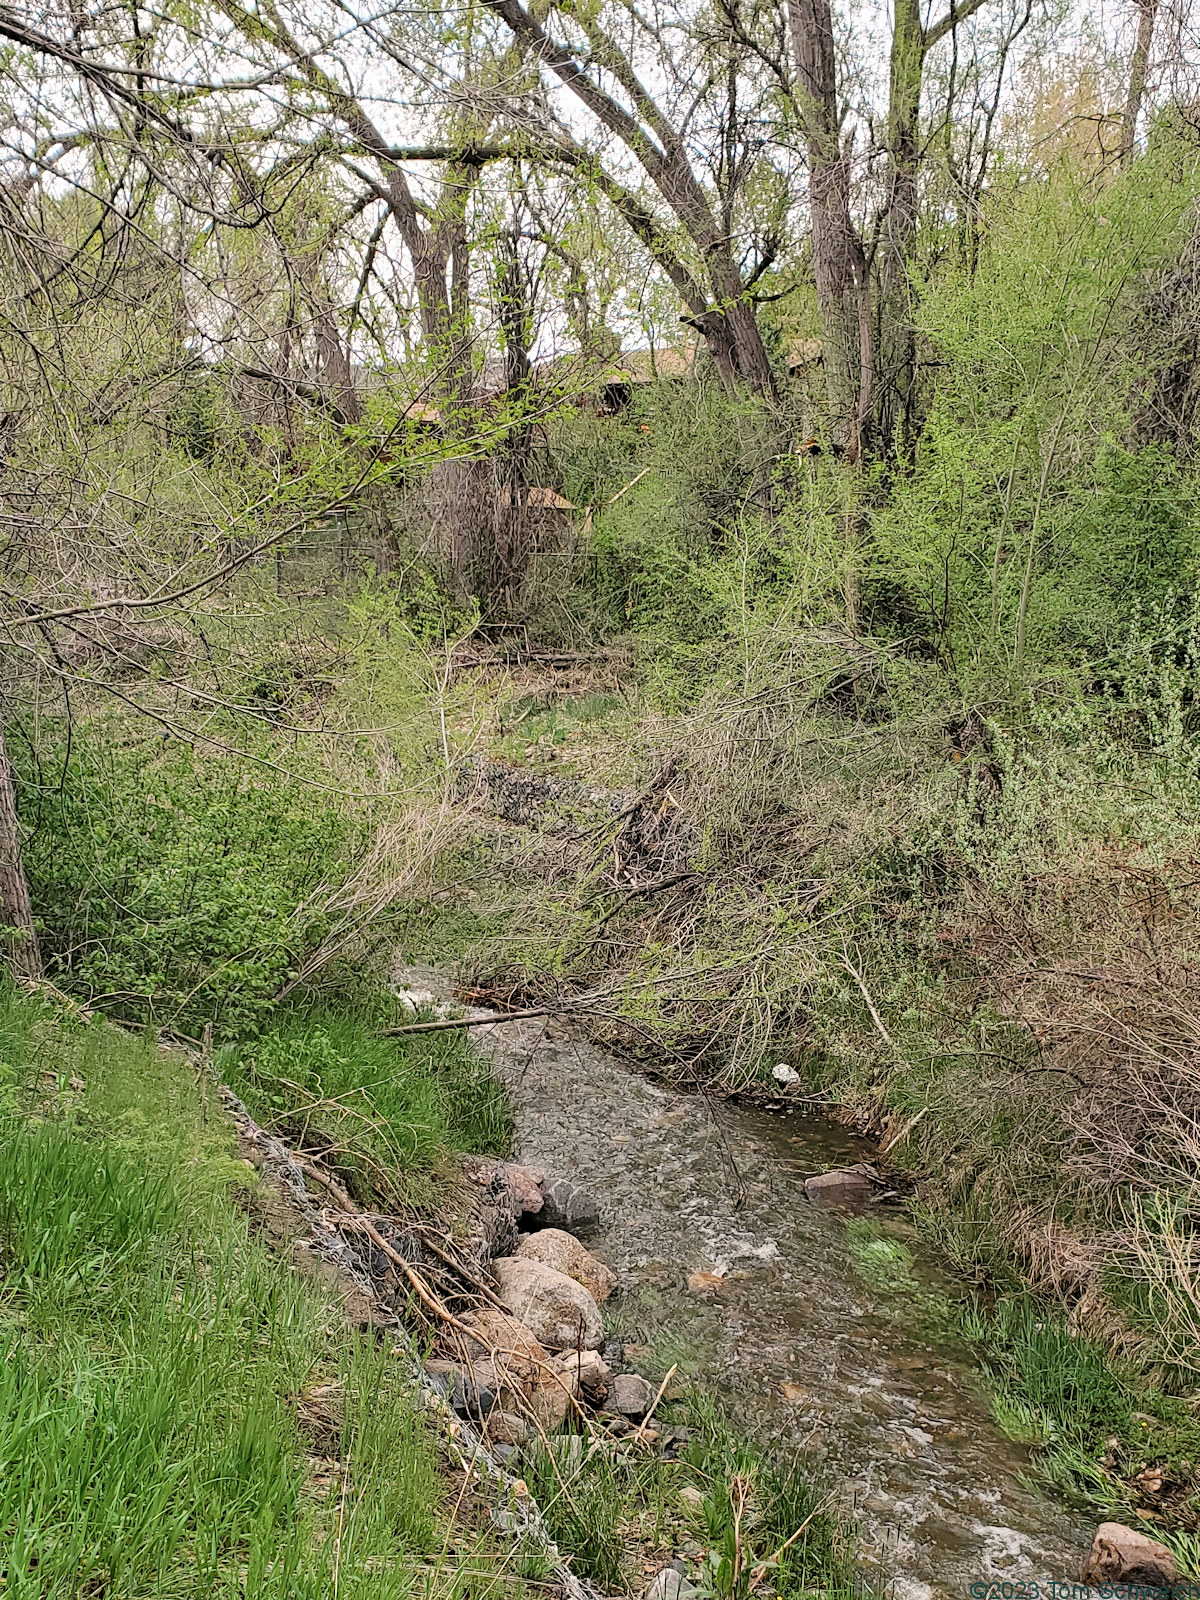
{"x": 661, "y": 1391}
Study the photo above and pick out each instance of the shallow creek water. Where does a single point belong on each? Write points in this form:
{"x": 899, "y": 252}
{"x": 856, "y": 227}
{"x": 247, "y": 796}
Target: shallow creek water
{"x": 880, "y": 1393}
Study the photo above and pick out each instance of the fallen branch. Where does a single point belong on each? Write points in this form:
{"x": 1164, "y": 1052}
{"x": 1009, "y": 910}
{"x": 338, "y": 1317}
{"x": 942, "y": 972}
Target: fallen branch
{"x": 420, "y": 1288}
{"x": 866, "y": 994}
{"x": 646, "y": 890}
{"x": 493, "y": 1017}
{"x": 561, "y": 1008}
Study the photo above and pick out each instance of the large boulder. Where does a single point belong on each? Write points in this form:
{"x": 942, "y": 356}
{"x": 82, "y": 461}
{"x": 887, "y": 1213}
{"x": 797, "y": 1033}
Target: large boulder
{"x": 559, "y": 1312}
{"x": 1122, "y": 1555}
{"x": 842, "y": 1185}
{"x": 565, "y": 1254}
{"x": 524, "y": 1377}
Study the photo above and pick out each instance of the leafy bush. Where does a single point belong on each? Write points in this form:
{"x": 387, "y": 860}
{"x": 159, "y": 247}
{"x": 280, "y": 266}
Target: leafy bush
{"x": 175, "y": 886}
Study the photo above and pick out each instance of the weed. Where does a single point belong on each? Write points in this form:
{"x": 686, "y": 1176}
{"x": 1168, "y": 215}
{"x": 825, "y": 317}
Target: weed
{"x": 752, "y": 1513}
{"x": 381, "y": 1112}
{"x": 178, "y": 889}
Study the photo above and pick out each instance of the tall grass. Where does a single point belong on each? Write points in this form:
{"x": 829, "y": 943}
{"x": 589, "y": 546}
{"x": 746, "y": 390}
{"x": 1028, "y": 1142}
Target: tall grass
{"x": 382, "y": 1112}
{"x": 154, "y": 1359}
{"x": 751, "y": 1508}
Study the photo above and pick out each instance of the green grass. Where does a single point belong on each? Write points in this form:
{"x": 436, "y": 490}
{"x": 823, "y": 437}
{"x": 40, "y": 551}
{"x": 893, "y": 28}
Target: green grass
{"x": 618, "y": 1512}
{"x": 1093, "y": 1421}
{"x": 388, "y": 1112}
{"x": 534, "y": 725}
{"x": 154, "y": 1439}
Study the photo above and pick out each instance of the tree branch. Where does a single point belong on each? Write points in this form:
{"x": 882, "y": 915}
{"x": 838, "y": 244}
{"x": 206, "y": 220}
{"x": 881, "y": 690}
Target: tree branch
{"x": 955, "y": 15}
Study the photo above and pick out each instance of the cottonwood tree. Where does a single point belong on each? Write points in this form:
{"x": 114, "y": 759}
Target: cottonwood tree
{"x": 1139, "y": 63}
{"x": 694, "y": 244}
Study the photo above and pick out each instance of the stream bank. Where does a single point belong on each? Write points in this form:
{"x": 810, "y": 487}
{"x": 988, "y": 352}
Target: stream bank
{"x": 827, "y": 1334}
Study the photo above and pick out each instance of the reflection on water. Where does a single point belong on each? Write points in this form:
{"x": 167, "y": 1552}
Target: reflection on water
{"x": 850, "y": 1360}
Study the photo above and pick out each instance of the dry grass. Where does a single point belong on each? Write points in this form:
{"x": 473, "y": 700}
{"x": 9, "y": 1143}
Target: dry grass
{"x": 984, "y": 947}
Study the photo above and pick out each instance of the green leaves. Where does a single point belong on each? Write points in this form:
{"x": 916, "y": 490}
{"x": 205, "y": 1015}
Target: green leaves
{"x": 180, "y": 887}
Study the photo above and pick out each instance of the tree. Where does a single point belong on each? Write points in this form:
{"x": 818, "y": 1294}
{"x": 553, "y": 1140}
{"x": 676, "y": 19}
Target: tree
{"x": 716, "y": 290}
{"x": 16, "y": 912}
{"x": 1138, "y": 64}
{"x": 895, "y": 361}
{"x": 839, "y": 261}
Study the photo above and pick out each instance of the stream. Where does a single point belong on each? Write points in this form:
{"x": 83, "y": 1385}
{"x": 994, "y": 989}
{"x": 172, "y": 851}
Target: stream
{"x": 880, "y": 1393}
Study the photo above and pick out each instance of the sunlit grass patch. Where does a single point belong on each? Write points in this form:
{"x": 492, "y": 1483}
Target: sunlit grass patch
{"x": 382, "y": 1113}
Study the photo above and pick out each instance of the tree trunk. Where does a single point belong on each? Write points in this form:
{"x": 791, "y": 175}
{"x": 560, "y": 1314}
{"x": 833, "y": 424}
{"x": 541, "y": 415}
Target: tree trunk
{"x": 504, "y": 567}
{"x": 894, "y": 387}
{"x": 1138, "y": 64}
{"x": 16, "y": 913}
{"x": 839, "y": 264}
{"x": 895, "y": 370}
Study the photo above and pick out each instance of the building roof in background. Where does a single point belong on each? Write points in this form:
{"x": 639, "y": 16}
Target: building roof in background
{"x": 584, "y": 375}
{"x": 540, "y": 499}
{"x": 650, "y": 366}
{"x": 804, "y": 353}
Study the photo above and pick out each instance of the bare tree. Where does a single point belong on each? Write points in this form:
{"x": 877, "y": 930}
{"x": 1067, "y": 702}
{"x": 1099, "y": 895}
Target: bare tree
{"x": 839, "y": 261}
{"x": 713, "y": 286}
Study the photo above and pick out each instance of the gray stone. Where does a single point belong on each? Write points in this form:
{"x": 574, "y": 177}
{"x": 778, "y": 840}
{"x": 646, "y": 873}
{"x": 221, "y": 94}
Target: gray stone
{"x": 472, "y": 1400}
{"x": 565, "y": 1205}
{"x": 669, "y": 1584}
{"x": 842, "y": 1184}
{"x": 1122, "y": 1555}
{"x": 559, "y": 1312}
{"x": 568, "y": 1452}
{"x": 630, "y": 1395}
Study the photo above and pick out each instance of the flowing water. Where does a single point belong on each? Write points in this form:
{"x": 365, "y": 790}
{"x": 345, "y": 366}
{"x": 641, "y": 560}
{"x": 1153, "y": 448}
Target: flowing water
{"x": 878, "y": 1389}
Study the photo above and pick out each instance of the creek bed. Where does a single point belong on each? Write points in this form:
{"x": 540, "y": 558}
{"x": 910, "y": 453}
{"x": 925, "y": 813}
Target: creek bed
{"x": 880, "y": 1392}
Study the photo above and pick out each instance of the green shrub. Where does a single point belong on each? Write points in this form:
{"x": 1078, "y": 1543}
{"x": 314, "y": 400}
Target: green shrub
{"x": 175, "y": 886}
